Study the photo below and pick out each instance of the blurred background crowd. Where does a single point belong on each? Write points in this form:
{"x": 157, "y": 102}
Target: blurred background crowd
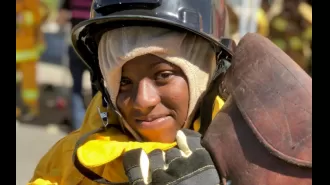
{"x": 53, "y": 86}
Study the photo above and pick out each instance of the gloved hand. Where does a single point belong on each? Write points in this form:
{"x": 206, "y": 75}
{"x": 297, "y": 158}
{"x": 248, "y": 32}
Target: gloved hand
{"x": 189, "y": 164}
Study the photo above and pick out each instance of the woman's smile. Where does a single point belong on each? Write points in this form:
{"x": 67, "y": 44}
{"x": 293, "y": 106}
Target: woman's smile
{"x": 153, "y": 121}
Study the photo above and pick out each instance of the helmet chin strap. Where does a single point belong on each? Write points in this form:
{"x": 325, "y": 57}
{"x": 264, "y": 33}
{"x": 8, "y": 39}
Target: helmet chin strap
{"x": 108, "y": 104}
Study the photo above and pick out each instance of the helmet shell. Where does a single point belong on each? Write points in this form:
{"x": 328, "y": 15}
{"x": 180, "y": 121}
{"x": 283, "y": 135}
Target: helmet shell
{"x": 205, "y": 18}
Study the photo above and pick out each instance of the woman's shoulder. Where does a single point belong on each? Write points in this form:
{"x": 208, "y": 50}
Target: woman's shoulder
{"x": 62, "y": 147}
{"x": 58, "y": 160}
{"x": 91, "y": 121}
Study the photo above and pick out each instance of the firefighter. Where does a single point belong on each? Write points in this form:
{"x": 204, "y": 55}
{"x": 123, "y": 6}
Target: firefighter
{"x": 166, "y": 51}
{"x": 28, "y": 37}
{"x": 75, "y": 11}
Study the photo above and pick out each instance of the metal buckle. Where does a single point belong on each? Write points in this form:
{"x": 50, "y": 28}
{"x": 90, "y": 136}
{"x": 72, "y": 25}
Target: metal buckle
{"x": 104, "y": 117}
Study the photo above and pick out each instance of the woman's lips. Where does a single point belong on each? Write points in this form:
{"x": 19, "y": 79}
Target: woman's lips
{"x": 152, "y": 122}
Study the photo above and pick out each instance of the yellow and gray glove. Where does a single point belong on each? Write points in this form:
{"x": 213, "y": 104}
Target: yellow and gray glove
{"x": 187, "y": 164}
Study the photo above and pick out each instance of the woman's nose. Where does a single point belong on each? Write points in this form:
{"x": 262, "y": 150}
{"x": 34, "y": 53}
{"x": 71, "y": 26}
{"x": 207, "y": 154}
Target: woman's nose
{"x": 147, "y": 96}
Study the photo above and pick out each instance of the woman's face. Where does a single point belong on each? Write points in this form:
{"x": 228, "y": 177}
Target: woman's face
{"x": 153, "y": 98}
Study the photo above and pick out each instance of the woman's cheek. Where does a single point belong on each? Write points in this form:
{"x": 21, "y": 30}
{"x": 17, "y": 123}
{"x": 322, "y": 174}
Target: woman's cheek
{"x": 175, "y": 96}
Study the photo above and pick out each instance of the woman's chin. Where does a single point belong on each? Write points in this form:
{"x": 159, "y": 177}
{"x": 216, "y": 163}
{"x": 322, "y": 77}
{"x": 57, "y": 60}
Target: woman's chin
{"x": 164, "y": 133}
{"x": 163, "y": 140}
{"x": 164, "y": 137}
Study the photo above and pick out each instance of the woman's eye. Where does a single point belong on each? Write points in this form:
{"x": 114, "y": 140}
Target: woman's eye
{"x": 164, "y": 75}
{"x": 125, "y": 81}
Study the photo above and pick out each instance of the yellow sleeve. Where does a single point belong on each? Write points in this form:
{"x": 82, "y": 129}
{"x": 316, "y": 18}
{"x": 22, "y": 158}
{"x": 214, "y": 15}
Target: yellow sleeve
{"x": 56, "y": 167}
{"x": 218, "y": 103}
{"x": 42, "y": 182}
{"x": 44, "y": 12}
{"x": 19, "y": 6}
{"x": 305, "y": 10}
{"x": 263, "y": 23}
{"x": 31, "y": 12}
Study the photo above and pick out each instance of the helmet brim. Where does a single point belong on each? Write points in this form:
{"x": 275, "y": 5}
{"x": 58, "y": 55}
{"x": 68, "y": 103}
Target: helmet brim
{"x": 122, "y": 19}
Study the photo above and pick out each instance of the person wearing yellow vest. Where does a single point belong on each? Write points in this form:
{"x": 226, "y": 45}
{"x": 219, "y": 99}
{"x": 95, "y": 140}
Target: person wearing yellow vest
{"x": 150, "y": 78}
{"x": 28, "y": 21}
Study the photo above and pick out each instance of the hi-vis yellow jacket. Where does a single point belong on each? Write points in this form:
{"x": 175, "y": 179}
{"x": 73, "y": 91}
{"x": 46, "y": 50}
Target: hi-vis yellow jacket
{"x": 28, "y": 20}
{"x": 263, "y": 23}
{"x": 101, "y": 153}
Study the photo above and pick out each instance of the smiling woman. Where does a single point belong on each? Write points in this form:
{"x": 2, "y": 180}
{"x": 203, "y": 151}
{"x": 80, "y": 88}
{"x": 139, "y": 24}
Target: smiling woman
{"x": 141, "y": 127}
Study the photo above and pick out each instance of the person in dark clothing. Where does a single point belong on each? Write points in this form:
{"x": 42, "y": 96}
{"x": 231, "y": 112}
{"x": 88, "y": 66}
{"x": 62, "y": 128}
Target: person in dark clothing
{"x": 75, "y": 11}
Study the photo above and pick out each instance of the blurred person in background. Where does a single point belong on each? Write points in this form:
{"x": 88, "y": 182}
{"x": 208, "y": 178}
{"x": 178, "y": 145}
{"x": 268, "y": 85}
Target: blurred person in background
{"x": 75, "y": 11}
{"x": 30, "y": 14}
{"x": 257, "y": 22}
{"x": 233, "y": 20}
{"x": 248, "y": 16}
{"x": 44, "y": 11}
{"x": 291, "y": 30}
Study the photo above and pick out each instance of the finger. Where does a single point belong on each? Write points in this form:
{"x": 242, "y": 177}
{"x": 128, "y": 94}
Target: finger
{"x": 171, "y": 155}
{"x": 199, "y": 162}
{"x": 190, "y": 133}
{"x": 136, "y": 165}
{"x": 157, "y": 160}
{"x": 188, "y": 141}
{"x": 158, "y": 167}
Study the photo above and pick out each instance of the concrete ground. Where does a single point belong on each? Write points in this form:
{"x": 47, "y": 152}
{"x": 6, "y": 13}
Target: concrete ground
{"x": 34, "y": 140}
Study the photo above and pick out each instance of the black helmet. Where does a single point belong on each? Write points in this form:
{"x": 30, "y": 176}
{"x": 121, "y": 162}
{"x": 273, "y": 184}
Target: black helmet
{"x": 205, "y": 18}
